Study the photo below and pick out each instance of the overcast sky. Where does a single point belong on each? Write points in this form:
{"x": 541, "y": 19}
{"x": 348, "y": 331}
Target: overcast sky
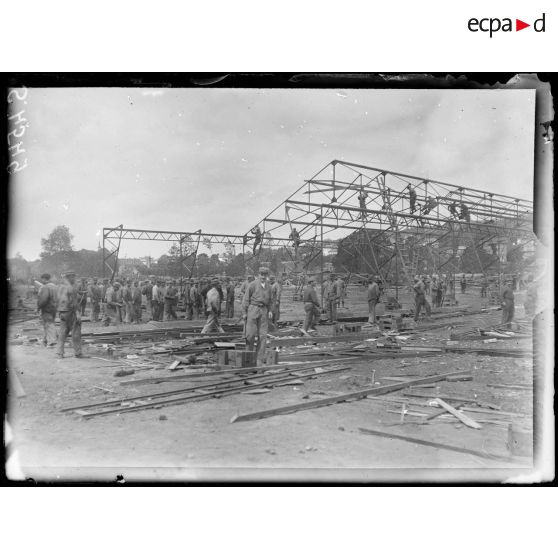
{"x": 219, "y": 160}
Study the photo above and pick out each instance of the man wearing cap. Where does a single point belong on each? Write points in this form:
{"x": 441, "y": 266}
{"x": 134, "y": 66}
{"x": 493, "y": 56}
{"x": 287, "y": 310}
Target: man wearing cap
{"x": 136, "y": 303}
{"x": 229, "y": 298}
{"x": 171, "y": 301}
{"x": 256, "y": 311}
{"x": 330, "y": 298}
{"x": 94, "y": 292}
{"x": 69, "y": 310}
{"x": 213, "y": 307}
{"x": 114, "y": 305}
{"x": 373, "y": 299}
{"x": 147, "y": 291}
{"x": 276, "y": 290}
{"x": 420, "y": 298}
{"x": 311, "y": 306}
{"x": 46, "y": 304}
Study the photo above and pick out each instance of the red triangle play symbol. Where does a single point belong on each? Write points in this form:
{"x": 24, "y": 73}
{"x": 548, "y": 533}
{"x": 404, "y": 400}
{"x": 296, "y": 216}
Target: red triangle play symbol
{"x": 519, "y": 25}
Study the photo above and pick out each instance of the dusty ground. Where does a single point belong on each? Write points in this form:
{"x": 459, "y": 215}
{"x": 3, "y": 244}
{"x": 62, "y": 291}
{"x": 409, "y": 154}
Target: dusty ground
{"x": 198, "y": 441}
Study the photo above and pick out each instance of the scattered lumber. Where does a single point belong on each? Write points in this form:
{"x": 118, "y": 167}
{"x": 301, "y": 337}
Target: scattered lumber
{"x": 437, "y": 445}
{"x": 458, "y": 414}
{"x": 510, "y": 386}
{"x": 355, "y": 395}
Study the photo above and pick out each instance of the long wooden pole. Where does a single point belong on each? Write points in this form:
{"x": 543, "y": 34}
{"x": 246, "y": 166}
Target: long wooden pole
{"x": 341, "y": 398}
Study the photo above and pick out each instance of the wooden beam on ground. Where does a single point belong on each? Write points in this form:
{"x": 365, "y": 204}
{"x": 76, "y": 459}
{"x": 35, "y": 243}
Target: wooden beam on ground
{"x": 458, "y": 414}
{"x": 355, "y": 395}
{"x": 437, "y": 445}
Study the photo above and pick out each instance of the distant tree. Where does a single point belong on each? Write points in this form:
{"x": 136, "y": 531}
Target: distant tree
{"x": 59, "y": 240}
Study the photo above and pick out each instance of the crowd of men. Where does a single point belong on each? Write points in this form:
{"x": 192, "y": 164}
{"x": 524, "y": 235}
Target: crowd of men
{"x": 131, "y": 301}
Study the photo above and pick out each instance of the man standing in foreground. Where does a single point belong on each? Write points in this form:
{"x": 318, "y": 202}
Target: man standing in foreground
{"x": 311, "y": 306}
{"x": 46, "y": 305}
{"x": 70, "y": 315}
{"x": 256, "y": 310}
{"x": 213, "y": 308}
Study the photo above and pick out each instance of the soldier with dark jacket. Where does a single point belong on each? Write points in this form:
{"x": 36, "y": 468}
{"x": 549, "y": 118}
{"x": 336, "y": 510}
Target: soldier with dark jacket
{"x": 46, "y": 304}
{"x": 311, "y": 306}
{"x": 69, "y": 309}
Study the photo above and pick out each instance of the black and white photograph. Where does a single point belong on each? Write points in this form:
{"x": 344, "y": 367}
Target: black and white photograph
{"x": 321, "y": 279}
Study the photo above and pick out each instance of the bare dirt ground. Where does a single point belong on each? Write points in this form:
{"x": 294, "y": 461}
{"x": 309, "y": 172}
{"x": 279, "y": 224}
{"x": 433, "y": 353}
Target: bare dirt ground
{"x": 197, "y": 441}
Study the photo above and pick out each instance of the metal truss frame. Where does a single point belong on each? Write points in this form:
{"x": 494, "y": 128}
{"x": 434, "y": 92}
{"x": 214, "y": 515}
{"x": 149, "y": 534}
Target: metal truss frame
{"x": 346, "y": 196}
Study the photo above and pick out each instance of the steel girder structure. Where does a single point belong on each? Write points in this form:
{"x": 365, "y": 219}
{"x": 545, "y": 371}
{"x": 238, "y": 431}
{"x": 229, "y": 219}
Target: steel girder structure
{"x": 346, "y": 197}
{"x": 113, "y": 237}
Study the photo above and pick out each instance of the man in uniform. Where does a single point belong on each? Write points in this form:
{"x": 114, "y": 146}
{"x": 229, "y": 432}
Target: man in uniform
{"x": 373, "y": 296}
{"x": 256, "y": 311}
{"x": 114, "y": 304}
{"x": 136, "y": 302}
{"x": 147, "y": 291}
{"x": 171, "y": 295}
{"x": 276, "y": 290}
{"x": 311, "y": 306}
{"x": 194, "y": 297}
{"x": 82, "y": 295}
{"x": 126, "y": 294}
{"x": 229, "y": 303}
{"x": 46, "y": 305}
{"x": 420, "y": 298}
{"x": 330, "y": 297}
{"x": 69, "y": 309}
{"x": 103, "y": 290}
{"x": 95, "y": 298}
{"x": 508, "y": 305}
{"x": 213, "y": 299}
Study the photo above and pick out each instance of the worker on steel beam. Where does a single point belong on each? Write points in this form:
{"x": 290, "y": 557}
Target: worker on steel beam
{"x": 453, "y": 209}
{"x": 465, "y": 214}
{"x": 412, "y": 198}
{"x": 295, "y": 237}
{"x": 69, "y": 310}
{"x": 256, "y": 308}
{"x": 430, "y": 204}
{"x": 256, "y": 231}
{"x": 311, "y": 306}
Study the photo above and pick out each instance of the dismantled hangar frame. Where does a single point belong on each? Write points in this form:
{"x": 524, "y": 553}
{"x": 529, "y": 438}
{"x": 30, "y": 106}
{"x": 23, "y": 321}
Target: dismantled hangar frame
{"x": 346, "y": 197}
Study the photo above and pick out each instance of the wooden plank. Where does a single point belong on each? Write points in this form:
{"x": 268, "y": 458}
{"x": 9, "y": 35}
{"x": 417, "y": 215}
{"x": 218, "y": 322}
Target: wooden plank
{"x": 339, "y": 398}
{"x": 458, "y": 414}
{"x": 437, "y": 445}
{"x": 510, "y": 386}
{"x": 159, "y": 403}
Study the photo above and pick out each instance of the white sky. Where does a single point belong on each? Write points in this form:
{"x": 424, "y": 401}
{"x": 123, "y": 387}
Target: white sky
{"x": 219, "y": 160}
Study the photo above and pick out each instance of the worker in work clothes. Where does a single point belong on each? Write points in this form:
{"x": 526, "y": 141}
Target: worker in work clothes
{"x": 373, "y": 296}
{"x": 161, "y": 291}
{"x": 256, "y": 310}
{"x": 430, "y": 204}
{"x": 82, "y": 295}
{"x": 69, "y": 310}
{"x": 103, "y": 289}
{"x": 147, "y": 291}
{"x": 94, "y": 292}
{"x": 244, "y": 287}
{"x": 311, "y": 306}
{"x": 276, "y": 290}
{"x": 420, "y": 298}
{"x": 171, "y": 301}
{"x": 126, "y": 294}
{"x": 136, "y": 302}
{"x": 256, "y": 231}
{"x": 114, "y": 305}
{"x": 213, "y": 300}
{"x": 331, "y": 297}
{"x": 412, "y": 198}
{"x": 463, "y": 283}
{"x": 454, "y": 212}
{"x": 508, "y": 305}
{"x": 229, "y": 305}
{"x": 194, "y": 296}
{"x": 47, "y": 304}
{"x": 465, "y": 215}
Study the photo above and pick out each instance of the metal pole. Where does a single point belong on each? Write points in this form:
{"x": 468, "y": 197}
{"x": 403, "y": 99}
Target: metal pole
{"x": 322, "y": 255}
{"x": 396, "y": 265}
